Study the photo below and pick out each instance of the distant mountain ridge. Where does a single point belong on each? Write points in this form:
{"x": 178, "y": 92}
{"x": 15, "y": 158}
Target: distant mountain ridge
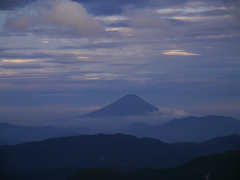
{"x": 189, "y": 129}
{"x": 15, "y": 134}
{"x": 88, "y": 151}
{"x": 129, "y": 105}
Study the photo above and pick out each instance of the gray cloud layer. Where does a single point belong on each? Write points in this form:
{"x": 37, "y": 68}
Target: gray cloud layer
{"x": 64, "y": 14}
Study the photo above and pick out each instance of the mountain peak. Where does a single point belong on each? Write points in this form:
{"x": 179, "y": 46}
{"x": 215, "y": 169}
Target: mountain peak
{"x": 128, "y": 105}
{"x": 131, "y": 95}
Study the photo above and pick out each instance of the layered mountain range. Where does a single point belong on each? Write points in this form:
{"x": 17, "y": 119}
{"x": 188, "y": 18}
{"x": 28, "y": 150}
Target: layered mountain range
{"x": 89, "y": 151}
{"x": 191, "y": 129}
{"x": 58, "y": 153}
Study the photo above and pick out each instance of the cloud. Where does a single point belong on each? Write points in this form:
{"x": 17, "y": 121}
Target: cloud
{"x": 139, "y": 63}
{"x": 164, "y": 114}
{"x": 22, "y": 66}
{"x": 97, "y": 45}
{"x": 178, "y": 52}
{"x": 145, "y": 19}
{"x": 62, "y": 16}
{"x": 79, "y": 110}
{"x": 12, "y": 55}
{"x": 113, "y": 7}
{"x": 20, "y": 22}
{"x": 154, "y": 118}
{"x": 18, "y": 60}
{"x": 171, "y": 113}
{"x": 236, "y": 14}
{"x": 41, "y": 114}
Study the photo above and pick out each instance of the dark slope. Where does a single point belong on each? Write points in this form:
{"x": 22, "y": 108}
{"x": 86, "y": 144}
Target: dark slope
{"x": 44, "y": 174}
{"x": 213, "y": 146}
{"x": 216, "y": 167}
{"x": 128, "y": 105}
{"x": 100, "y": 150}
{"x": 223, "y": 166}
{"x": 191, "y": 129}
{"x": 85, "y": 151}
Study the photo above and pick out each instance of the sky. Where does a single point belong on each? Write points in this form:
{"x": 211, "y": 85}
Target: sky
{"x": 64, "y": 58}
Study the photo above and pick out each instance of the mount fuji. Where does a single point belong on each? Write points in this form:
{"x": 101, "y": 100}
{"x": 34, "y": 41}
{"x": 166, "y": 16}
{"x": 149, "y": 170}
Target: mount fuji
{"x": 129, "y": 105}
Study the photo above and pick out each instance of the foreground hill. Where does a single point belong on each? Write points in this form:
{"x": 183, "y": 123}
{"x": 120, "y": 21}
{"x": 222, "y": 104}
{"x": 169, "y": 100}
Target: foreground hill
{"x": 88, "y": 151}
{"x": 224, "y": 166}
{"x": 42, "y": 174}
{"x": 215, "y": 167}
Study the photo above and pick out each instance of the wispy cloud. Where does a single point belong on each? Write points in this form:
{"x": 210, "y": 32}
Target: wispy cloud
{"x": 145, "y": 19}
{"x": 18, "y": 60}
{"x": 236, "y": 9}
{"x": 21, "y": 66}
{"x": 178, "y": 52}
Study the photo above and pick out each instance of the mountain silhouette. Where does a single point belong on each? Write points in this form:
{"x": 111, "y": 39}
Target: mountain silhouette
{"x": 222, "y": 166}
{"x": 89, "y": 151}
{"x": 128, "y": 105}
{"x": 190, "y": 129}
{"x": 15, "y": 134}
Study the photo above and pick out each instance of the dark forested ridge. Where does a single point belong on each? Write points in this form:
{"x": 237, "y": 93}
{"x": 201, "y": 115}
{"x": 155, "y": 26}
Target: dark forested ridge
{"x": 88, "y": 151}
{"x": 223, "y": 166}
{"x": 42, "y": 174}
